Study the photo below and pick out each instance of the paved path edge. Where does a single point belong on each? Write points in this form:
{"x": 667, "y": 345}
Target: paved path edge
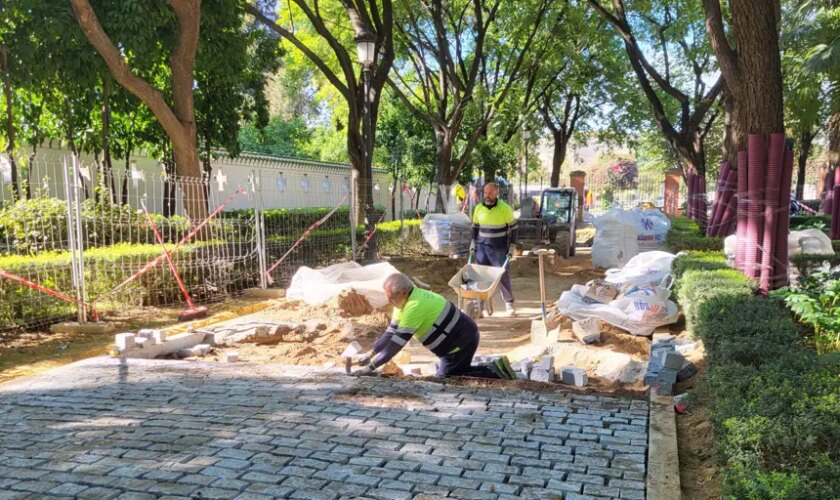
{"x": 663, "y": 474}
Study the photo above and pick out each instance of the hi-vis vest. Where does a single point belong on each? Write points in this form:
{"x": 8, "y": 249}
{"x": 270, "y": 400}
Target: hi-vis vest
{"x": 430, "y": 319}
{"x": 494, "y": 225}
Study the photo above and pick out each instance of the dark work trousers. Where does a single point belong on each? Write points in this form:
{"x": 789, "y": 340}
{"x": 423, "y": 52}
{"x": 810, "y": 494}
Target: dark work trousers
{"x": 494, "y": 256}
{"x": 459, "y": 363}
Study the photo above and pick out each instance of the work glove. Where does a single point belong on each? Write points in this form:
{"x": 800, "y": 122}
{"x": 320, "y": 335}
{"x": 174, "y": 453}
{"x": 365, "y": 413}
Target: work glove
{"x": 511, "y": 250}
{"x": 472, "y": 246}
{"x": 363, "y": 358}
{"x": 368, "y": 371}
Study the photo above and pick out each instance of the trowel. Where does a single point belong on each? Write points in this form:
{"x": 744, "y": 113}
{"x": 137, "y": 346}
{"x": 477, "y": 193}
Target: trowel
{"x": 349, "y": 353}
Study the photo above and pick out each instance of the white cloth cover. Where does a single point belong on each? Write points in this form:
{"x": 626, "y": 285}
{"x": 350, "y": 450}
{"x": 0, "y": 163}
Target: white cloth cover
{"x": 317, "y": 286}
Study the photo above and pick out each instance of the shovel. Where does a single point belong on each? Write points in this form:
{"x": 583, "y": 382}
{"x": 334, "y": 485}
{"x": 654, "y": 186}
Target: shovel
{"x": 539, "y": 330}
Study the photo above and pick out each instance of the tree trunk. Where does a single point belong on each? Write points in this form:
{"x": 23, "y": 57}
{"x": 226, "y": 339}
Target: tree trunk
{"x": 444, "y": 165}
{"x": 755, "y": 23}
{"x": 178, "y": 121}
{"x": 355, "y": 150}
{"x": 107, "y": 167}
{"x": 10, "y": 122}
{"x": 71, "y": 143}
{"x": 730, "y": 130}
{"x": 805, "y": 140}
{"x": 189, "y": 179}
{"x": 126, "y": 175}
{"x": 752, "y": 69}
{"x": 561, "y": 142}
{"x": 489, "y": 174}
{"x": 395, "y": 179}
{"x": 833, "y": 126}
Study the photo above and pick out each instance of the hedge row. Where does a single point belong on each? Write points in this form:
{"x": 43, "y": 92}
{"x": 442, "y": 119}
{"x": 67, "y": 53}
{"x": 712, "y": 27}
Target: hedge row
{"x": 775, "y": 410}
{"x": 209, "y": 268}
{"x": 685, "y": 234}
{"x": 820, "y": 221}
{"x": 204, "y": 273}
{"x": 40, "y": 225}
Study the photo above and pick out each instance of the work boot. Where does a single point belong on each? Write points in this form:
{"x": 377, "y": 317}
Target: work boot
{"x": 508, "y": 369}
{"x": 503, "y": 368}
{"x": 509, "y": 309}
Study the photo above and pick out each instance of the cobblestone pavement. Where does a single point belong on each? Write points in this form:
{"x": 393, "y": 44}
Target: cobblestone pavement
{"x": 174, "y": 429}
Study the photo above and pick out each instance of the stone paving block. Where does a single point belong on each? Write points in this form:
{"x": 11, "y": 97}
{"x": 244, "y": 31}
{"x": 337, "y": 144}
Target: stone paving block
{"x": 364, "y": 480}
{"x": 527, "y": 481}
{"x": 634, "y": 475}
{"x": 388, "y": 494}
{"x": 167, "y": 488}
{"x": 98, "y": 493}
{"x": 633, "y": 494}
{"x": 607, "y": 491}
{"x": 469, "y": 494}
{"x": 575, "y": 496}
{"x": 230, "y": 484}
{"x": 303, "y": 483}
{"x": 252, "y": 496}
{"x": 216, "y": 493}
{"x": 538, "y": 374}
{"x": 134, "y": 495}
{"x": 569, "y": 486}
{"x": 68, "y": 489}
{"x": 570, "y": 467}
{"x": 34, "y": 486}
{"x": 310, "y": 494}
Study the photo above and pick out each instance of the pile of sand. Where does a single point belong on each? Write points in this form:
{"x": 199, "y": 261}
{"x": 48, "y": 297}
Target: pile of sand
{"x": 350, "y": 304}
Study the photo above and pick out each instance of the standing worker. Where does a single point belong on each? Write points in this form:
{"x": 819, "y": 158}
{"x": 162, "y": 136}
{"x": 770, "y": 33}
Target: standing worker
{"x": 494, "y": 238}
{"x": 438, "y": 324}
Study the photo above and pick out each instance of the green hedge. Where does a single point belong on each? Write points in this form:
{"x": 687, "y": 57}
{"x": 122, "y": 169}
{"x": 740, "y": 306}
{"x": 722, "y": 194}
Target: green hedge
{"x": 34, "y": 224}
{"x": 40, "y": 225}
{"x": 806, "y": 263}
{"x": 408, "y": 243}
{"x": 774, "y": 409}
{"x": 105, "y": 268}
{"x": 799, "y": 222}
{"x": 685, "y": 234}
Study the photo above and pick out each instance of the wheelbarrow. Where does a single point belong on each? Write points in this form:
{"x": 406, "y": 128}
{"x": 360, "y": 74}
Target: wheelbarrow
{"x": 475, "y": 286}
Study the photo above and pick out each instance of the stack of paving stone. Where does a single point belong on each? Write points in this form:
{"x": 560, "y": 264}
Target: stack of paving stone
{"x": 667, "y": 365}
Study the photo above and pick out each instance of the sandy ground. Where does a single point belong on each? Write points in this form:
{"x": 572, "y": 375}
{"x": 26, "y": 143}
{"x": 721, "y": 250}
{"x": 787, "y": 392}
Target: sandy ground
{"x": 324, "y": 331}
{"x": 699, "y": 477}
{"x": 27, "y": 353}
{"x": 617, "y": 363}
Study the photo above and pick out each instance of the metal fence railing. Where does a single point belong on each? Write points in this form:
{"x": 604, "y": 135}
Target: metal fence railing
{"x": 78, "y": 241}
{"x": 605, "y": 191}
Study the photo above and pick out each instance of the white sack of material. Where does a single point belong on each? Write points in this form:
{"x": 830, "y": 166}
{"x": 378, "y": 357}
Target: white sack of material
{"x": 616, "y": 239}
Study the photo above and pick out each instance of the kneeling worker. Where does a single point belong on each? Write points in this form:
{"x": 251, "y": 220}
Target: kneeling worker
{"x": 440, "y": 326}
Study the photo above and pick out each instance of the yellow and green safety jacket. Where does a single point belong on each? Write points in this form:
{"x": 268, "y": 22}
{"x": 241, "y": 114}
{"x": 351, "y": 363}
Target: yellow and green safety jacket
{"x": 494, "y": 226}
{"x": 431, "y": 319}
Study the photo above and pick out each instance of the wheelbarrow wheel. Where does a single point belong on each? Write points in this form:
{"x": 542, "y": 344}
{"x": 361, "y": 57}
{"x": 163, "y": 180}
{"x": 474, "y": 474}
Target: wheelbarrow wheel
{"x": 473, "y": 309}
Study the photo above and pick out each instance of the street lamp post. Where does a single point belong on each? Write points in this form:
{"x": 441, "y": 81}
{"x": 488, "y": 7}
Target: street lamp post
{"x": 526, "y": 135}
{"x": 366, "y": 51}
